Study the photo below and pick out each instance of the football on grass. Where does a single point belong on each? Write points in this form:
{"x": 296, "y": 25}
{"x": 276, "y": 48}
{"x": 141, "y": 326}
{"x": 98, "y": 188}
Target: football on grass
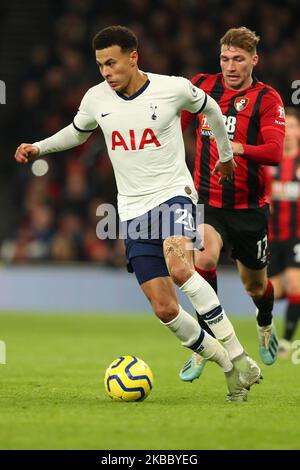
{"x": 128, "y": 378}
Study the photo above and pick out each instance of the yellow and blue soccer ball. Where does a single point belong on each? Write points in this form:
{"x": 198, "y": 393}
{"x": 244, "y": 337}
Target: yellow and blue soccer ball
{"x": 128, "y": 378}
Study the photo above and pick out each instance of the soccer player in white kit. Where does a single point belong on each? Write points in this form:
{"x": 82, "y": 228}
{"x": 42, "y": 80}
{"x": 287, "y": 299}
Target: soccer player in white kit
{"x": 139, "y": 114}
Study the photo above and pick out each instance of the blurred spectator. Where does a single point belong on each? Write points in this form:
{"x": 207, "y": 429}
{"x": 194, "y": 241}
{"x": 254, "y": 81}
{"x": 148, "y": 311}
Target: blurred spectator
{"x": 63, "y": 248}
{"x": 34, "y": 237}
{"x": 95, "y": 249}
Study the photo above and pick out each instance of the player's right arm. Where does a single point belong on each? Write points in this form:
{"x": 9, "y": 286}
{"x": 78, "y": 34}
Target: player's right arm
{"x": 196, "y": 101}
{"x": 71, "y": 136}
{"x": 226, "y": 165}
{"x": 186, "y": 116}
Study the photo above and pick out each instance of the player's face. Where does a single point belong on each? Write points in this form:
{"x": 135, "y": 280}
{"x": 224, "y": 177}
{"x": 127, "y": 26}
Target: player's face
{"x": 237, "y": 65}
{"x": 116, "y": 67}
{"x": 292, "y": 130}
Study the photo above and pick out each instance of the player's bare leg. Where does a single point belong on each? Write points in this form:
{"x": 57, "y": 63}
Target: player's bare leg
{"x": 205, "y": 264}
{"x": 178, "y": 253}
{"x": 162, "y": 296}
{"x": 194, "y": 366}
{"x": 206, "y": 261}
{"x": 278, "y": 284}
{"x": 261, "y": 290}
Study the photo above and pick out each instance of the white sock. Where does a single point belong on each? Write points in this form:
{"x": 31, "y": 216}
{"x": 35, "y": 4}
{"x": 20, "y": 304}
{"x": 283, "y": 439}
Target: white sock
{"x": 185, "y": 327}
{"x": 189, "y": 332}
{"x": 201, "y": 294}
{"x": 233, "y": 346}
{"x": 206, "y": 303}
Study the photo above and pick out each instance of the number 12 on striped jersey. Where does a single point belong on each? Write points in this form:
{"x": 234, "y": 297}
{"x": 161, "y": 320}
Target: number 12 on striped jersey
{"x": 262, "y": 246}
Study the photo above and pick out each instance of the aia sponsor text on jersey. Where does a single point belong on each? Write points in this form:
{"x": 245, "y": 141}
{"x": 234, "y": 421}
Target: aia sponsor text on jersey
{"x": 130, "y": 141}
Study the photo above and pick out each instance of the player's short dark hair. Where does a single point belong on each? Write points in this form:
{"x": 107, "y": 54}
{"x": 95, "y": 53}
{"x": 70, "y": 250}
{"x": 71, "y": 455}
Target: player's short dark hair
{"x": 241, "y": 37}
{"x": 290, "y": 111}
{"x": 116, "y": 36}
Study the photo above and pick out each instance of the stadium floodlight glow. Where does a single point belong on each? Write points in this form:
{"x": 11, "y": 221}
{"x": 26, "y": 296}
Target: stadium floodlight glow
{"x": 39, "y": 167}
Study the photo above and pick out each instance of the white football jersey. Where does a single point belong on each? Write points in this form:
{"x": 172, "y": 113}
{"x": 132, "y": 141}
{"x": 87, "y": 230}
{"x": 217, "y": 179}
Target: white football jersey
{"x": 144, "y": 139}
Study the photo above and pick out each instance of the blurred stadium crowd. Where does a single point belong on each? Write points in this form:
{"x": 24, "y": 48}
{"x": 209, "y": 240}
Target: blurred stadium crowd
{"x": 57, "y": 212}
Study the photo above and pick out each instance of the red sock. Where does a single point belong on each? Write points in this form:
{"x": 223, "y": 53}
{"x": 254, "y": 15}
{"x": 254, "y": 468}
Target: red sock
{"x": 269, "y": 290}
{"x": 210, "y": 275}
{"x": 293, "y": 299}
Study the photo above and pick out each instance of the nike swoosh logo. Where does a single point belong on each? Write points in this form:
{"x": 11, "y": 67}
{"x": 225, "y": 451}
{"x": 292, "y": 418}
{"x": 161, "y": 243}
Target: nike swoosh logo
{"x": 103, "y": 115}
{"x": 207, "y": 316}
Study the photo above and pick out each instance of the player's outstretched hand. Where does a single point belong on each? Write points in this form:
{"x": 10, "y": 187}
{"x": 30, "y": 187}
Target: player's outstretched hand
{"x": 225, "y": 170}
{"x": 25, "y": 153}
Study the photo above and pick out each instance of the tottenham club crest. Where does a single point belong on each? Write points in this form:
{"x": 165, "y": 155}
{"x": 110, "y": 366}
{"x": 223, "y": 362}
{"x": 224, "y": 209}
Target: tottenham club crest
{"x": 194, "y": 90}
{"x": 153, "y": 112}
{"x": 241, "y": 103}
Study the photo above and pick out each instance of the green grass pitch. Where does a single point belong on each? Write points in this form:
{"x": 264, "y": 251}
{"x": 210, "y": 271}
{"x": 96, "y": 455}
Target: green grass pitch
{"x": 52, "y": 394}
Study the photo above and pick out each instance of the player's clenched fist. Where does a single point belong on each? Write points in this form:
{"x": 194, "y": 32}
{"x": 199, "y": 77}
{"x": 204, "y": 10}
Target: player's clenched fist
{"x": 25, "y": 153}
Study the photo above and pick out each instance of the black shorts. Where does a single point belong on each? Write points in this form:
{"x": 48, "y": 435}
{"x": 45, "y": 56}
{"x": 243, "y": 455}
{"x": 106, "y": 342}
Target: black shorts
{"x": 284, "y": 254}
{"x": 244, "y": 231}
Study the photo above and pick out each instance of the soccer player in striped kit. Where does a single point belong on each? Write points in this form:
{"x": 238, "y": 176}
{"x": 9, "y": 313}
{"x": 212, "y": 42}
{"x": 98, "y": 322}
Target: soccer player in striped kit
{"x": 236, "y": 212}
{"x": 284, "y": 228}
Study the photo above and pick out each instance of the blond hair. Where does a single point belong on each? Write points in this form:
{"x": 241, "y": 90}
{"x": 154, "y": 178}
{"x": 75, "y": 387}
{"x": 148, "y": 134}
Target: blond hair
{"x": 241, "y": 37}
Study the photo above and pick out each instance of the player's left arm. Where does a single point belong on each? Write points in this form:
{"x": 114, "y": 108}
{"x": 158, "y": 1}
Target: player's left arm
{"x": 272, "y": 130}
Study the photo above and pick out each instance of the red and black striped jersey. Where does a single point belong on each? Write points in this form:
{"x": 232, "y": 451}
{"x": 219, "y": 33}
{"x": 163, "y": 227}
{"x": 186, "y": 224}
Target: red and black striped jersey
{"x": 247, "y": 114}
{"x": 285, "y": 199}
